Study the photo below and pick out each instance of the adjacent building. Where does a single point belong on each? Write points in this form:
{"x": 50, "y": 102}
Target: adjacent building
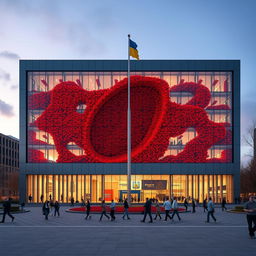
{"x": 9, "y": 166}
{"x": 185, "y": 129}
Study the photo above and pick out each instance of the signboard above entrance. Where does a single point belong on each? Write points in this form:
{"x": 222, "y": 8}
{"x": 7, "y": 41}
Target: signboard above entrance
{"x": 154, "y": 184}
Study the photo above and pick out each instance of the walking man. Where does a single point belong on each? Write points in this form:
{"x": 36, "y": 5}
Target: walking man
{"x": 147, "y": 210}
{"x": 223, "y": 204}
{"x": 210, "y": 208}
{"x": 46, "y": 209}
{"x": 250, "y": 209}
{"x": 193, "y": 205}
{"x": 186, "y": 203}
{"x": 88, "y": 209}
{"x": 167, "y": 208}
{"x": 126, "y": 209}
{"x": 112, "y": 210}
{"x": 72, "y": 201}
{"x": 175, "y": 208}
{"x": 7, "y": 209}
{"x": 103, "y": 210}
{"x": 57, "y": 208}
{"x": 205, "y": 205}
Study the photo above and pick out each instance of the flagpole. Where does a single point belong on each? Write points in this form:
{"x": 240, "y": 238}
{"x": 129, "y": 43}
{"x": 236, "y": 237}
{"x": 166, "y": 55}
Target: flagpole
{"x": 129, "y": 129}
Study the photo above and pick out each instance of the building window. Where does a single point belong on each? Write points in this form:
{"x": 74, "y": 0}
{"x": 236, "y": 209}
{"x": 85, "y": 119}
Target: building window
{"x": 216, "y": 103}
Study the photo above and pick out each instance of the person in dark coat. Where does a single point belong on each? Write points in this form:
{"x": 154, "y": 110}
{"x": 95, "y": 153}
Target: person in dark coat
{"x": 186, "y": 203}
{"x": 46, "y": 209}
{"x": 7, "y": 209}
{"x": 193, "y": 205}
{"x": 205, "y": 205}
{"x": 250, "y": 209}
{"x": 147, "y": 211}
{"x": 88, "y": 209}
{"x": 126, "y": 209}
{"x": 57, "y": 208}
{"x": 223, "y": 204}
{"x": 72, "y": 201}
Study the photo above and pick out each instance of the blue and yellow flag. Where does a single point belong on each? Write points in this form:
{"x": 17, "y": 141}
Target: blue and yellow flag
{"x": 133, "y": 50}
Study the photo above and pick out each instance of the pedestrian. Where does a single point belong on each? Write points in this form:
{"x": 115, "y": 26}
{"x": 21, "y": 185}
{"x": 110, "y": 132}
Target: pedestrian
{"x": 210, "y": 208}
{"x": 147, "y": 210}
{"x": 167, "y": 207}
{"x": 126, "y": 210}
{"x": 158, "y": 210}
{"x": 175, "y": 208}
{"x": 72, "y": 201}
{"x": 7, "y": 209}
{"x": 205, "y": 205}
{"x": 193, "y": 205}
{"x": 50, "y": 197}
{"x": 103, "y": 210}
{"x": 250, "y": 209}
{"x": 57, "y": 208}
{"x": 186, "y": 203}
{"x": 51, "y": 203}
{"x": 112, "y": 210}
{"x": 42, "y": 198}
{"x": 223, "y": 204}
{"x": 30, "y": 198}
{"x": 22, "y": 206}
{"x": 88, "y": 209}
{"x": 46, "y": 209}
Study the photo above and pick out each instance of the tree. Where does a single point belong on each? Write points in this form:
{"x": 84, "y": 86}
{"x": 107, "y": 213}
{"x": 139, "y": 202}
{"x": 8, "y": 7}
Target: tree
{"x": 248, "y": 178}
{"x": 248, "y": 173}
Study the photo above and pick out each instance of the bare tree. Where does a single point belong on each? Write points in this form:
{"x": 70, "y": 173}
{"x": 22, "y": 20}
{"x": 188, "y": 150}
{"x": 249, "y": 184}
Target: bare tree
{"x": 248, "y": 138}
{"x": 248, "y": 172}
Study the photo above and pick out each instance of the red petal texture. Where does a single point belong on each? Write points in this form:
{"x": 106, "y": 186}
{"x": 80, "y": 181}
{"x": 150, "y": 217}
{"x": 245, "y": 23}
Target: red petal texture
{"x": 101, "y": 130}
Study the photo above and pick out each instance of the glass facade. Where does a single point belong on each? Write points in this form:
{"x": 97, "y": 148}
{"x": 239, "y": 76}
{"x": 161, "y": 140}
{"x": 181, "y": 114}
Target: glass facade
{"x": 108, "y": 187}
{"x": 186, "y": 89}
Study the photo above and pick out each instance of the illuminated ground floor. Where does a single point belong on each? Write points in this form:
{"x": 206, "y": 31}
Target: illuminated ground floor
{"x": 98, "y": 187}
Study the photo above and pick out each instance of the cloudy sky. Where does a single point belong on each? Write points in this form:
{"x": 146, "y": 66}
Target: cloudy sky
{"x": 83, "y": 29}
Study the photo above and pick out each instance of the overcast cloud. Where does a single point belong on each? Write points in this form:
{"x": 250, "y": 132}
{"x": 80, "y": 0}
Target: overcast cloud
{"x": 6, "y": 109}
{"x": 9, "y": 55}
{"x": 4, "y": 75}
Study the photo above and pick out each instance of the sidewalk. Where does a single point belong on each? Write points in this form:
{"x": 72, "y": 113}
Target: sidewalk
{"x": 70, "y": 234}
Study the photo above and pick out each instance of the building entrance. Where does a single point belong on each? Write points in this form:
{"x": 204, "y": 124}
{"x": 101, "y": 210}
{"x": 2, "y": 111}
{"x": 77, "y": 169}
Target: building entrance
{"x": 135, "y": 195}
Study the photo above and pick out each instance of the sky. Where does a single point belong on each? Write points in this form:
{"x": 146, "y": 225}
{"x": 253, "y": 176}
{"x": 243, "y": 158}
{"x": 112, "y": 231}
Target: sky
{"x": 163, "y": 29}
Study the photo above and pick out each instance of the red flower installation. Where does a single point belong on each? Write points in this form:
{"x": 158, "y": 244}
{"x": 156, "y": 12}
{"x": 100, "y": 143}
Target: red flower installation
{"x": 101, "y": 130}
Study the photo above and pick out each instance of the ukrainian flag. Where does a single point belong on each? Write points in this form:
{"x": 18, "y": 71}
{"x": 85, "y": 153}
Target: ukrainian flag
{"x": 133, "y": 50}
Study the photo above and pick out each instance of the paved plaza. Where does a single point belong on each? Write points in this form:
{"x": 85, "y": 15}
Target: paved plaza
{"x": 70, "y": 234}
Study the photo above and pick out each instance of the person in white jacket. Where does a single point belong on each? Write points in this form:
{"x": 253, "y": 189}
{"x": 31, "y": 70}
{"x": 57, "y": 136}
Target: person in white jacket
{"x": 167, "y": 206}
{"x": 175, "y": 208}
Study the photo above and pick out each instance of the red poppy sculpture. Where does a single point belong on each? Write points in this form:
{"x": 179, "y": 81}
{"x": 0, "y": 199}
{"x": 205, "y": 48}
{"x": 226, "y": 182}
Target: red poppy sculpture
{"x": 101, "y": 130}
